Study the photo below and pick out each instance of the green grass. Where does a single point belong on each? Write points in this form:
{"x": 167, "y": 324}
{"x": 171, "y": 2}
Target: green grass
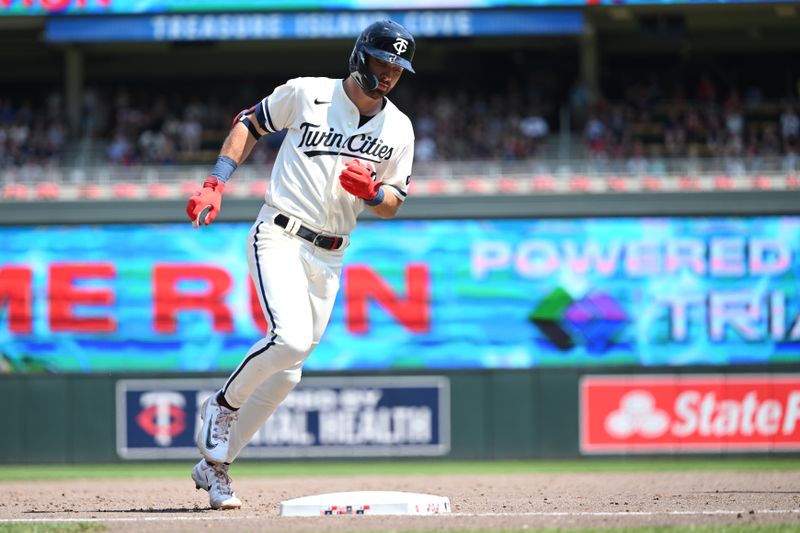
{"x": 399, "y": 467}
{"x": 53, "y": 527}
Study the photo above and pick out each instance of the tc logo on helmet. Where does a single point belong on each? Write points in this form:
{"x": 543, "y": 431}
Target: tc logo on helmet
{"x": 400, "y": 45}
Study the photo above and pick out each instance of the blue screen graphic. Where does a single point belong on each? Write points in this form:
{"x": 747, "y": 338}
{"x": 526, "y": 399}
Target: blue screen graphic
{"x": 415, "y": 294}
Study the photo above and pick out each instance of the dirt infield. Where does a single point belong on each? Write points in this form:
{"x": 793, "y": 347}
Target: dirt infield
{"x": 488, "y": 501}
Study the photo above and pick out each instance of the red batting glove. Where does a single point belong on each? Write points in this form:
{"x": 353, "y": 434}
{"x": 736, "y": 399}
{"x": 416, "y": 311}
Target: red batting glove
{"x": 210, "y": 195}
{"x": 356, "y": 178}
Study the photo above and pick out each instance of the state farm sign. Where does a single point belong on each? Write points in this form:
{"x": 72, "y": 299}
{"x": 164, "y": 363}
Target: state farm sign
{"x": 689, "y": 413}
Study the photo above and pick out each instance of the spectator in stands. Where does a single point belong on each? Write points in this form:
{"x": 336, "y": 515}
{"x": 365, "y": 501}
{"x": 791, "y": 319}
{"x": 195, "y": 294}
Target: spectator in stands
{"x": 595, "y": 133}
{"x": 620, "y": 120}
{"x": 791, "y": 159}
{"x": 637, "y": 164}
{"x": 734, "y": 155}
{"x": 695, "y": 127}
{"x": 734, "y": 119}
{"x": 674, "y": 135}
{"x": 19, "y": 137}
{"x": 191, "y": 133}
{"x": 156, "y": 147}
{"x": 120, "y": 150}
{"x": 534, "y": 126}
{"x": 769, "y": 142}
{"x": 754, "y": 160}
{"x": 790, "y": 123}
{"x": 753, "y": 96}
{"x": 706, "y": 90}
{"x": 581, "y": 99}
{"x": 425, "y": 148}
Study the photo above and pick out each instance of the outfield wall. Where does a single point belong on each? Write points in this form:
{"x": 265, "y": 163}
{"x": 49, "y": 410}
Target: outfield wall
{"x": 520, "y": 414}
{"x": 632, "y": 384}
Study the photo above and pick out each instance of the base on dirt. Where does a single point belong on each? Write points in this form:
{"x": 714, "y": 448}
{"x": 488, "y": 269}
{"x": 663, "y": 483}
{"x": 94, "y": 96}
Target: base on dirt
{"x": 366, "y": 503}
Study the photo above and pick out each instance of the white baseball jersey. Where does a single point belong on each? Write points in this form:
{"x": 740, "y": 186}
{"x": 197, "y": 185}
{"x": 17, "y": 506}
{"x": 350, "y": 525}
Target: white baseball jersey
{"x": 322, "y": 136}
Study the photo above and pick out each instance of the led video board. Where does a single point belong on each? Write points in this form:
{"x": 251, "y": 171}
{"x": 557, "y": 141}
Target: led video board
{"x": 309, "y": 25}
{"x": 131, "y": 7}
{"x": 415, "y": 294}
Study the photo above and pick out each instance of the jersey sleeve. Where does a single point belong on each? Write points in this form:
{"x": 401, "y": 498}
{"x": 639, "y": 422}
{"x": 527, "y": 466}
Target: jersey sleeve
{"x": 398, "y": 174}
{"x": 278, "y": 110}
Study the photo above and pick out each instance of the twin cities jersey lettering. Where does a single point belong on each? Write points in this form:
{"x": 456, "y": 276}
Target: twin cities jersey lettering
{"x": 323, "y": 134}
{"x": 359, "y": 146}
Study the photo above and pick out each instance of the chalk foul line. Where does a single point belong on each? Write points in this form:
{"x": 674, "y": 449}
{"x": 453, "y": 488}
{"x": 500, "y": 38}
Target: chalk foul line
{"x": 210, "y": 515}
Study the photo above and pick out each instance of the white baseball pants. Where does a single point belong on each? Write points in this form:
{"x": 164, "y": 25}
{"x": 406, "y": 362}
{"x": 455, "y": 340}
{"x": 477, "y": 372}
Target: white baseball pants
{"x": 297, "y": 284}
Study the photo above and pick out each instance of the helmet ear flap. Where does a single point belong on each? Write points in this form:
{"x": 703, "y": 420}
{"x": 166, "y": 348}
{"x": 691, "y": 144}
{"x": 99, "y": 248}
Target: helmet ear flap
{"x": 360, "y": 71}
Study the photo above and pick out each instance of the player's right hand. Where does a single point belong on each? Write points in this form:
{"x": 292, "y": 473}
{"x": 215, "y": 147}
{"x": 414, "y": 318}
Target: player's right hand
{"x": 209, "y": 196}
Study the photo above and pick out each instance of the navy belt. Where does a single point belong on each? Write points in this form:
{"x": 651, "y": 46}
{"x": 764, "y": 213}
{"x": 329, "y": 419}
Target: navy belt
{"x": 328, "y": 242}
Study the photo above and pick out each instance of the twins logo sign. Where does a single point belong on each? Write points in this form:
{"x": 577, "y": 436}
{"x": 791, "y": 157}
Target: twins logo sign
{"x": 323, "y": 417}
{"x": 157, "y": 418}
{"x": 163, "y": 415}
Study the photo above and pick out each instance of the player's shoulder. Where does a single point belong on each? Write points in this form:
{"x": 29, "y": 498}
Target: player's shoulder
{"x": 398, "y": 120}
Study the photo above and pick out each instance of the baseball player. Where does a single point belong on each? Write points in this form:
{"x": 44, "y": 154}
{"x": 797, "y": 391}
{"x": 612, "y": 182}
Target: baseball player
{"x": 347, "y": 148}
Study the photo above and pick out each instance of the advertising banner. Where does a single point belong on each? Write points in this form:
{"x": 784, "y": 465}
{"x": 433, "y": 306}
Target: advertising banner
{"x": 322, "y": 417}
{"x": 311, "y": 25}
{"x": 414, "y": 294}
{"x": 690, "y": 413}
{"x": 132, "y": 7}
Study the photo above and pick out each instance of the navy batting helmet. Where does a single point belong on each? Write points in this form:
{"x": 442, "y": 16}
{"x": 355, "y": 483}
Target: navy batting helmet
{"x": 386, "y": 40}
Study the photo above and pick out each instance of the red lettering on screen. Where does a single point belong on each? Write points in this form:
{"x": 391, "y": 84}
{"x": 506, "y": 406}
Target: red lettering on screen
{"x": 170, "y": 299}
{"x": 255, "y": 308}
{"x": 362, "y": 284}
{"x": 67, "y": 290}
{"x": 64, "y": 295}
{"x": 16, "y": 290}
{"x": 690, "y": 413}
{"x": 26, "y": 3}
{"x": 56, "y": 5}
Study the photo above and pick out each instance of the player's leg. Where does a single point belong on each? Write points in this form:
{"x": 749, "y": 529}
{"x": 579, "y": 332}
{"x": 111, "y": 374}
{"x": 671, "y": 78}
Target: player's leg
{"x": 324, "y": 275}
{"x": 280, "y": 271}
{"x": 280, "y": 275}
{"x": 253, "y": 414}
{"x": 259, "y": 407}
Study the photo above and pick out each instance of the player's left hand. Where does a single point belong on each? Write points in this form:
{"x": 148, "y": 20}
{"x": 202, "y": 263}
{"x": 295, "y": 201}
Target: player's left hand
{"x": 356, "y": 178}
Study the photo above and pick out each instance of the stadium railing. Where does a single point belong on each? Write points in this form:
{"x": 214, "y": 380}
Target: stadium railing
{"x": 445, "y": 178}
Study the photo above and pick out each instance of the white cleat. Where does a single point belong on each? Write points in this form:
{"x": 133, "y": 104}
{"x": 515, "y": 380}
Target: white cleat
{"x": 213, "y": 440}
{"x": 215, "y": 479}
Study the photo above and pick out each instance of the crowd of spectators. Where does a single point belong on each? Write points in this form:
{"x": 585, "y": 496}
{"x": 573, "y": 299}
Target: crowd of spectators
{"x": 509, "y": 123}
{"x": 461, "y": 126}
{"x": 141, "y": 127}
{"x": 136, "y": 126}
{"x": 640, "y": 131}
{"x": 32, "y": 131}
{"x": 706, "y": 125}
